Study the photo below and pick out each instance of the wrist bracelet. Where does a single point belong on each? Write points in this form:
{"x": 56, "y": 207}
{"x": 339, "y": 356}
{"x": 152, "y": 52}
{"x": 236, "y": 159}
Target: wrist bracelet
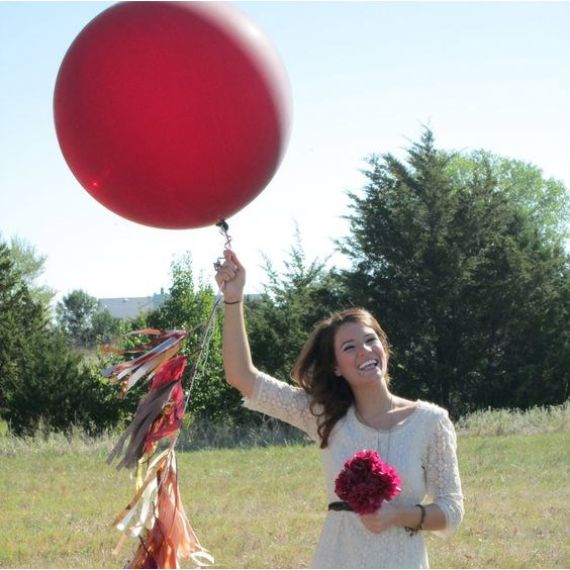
{"x": 414, "y": 530}
{"x": 233, "y": 302}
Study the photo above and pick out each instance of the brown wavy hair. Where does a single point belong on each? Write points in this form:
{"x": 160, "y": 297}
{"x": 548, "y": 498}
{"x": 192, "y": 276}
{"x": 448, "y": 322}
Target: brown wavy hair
{"x": 314, "y": 370}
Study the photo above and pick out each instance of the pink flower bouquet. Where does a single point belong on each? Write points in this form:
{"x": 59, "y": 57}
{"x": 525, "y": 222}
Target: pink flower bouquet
{"x": 366, "y": 482}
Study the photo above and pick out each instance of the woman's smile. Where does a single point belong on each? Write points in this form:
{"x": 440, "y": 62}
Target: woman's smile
{"x": 371, "y": 364}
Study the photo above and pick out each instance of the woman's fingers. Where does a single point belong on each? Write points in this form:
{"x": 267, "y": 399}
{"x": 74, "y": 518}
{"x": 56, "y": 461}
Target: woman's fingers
{"x": 227, "y": 271}
{"x": 230, "y": 275}
{"x": 225, "y": 274}
{"x": 231, "y": 257}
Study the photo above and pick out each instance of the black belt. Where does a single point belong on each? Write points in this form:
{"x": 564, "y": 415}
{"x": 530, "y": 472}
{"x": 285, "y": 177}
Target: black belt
{"x": 343, "y": 506}
{"x": 340, "y": 506}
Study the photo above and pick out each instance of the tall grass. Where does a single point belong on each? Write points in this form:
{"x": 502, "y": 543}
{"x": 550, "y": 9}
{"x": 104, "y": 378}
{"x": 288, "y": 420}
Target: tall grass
{"x": 199, "y": 436}
{"x": 74, "y": 442}
{"x": 202, "y": 435}
{"x": 505, "y": 422}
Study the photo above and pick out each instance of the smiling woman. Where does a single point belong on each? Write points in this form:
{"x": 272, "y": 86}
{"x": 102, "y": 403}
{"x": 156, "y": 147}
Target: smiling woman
{"x": 343, "y": 402}
{"x": 359, "y": 351}
{"x": 346, "y": 355}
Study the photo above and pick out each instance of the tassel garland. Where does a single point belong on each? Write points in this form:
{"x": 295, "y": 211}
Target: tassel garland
{"x": 155, "y": 515}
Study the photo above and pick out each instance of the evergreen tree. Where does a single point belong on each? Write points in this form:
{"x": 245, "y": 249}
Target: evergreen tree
{"x": 22, "y": 320}
{"x": 63, "y": 390}
{"x": 293, "y": 300}
{"x": 458, "y": 265}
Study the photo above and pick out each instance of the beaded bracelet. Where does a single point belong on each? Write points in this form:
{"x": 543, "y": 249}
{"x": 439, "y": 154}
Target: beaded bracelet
{"x": 414, "y": 530}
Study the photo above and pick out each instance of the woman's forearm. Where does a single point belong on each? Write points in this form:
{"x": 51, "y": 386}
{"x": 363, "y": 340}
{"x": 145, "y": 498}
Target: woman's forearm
{"x": 411, "y": 516}
{"x": 238, "y": 365}
{"x": 389, "y": 515}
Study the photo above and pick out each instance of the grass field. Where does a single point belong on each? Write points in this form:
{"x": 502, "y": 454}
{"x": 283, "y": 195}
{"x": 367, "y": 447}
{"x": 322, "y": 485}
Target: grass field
{"x": 262, "y": 507}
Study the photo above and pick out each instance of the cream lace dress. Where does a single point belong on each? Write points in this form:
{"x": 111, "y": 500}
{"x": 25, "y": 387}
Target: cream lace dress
{"x": 423, "y": 450}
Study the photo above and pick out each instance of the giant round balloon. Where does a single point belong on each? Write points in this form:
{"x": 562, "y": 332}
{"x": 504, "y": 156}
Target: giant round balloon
{"x": 172, "y": 114}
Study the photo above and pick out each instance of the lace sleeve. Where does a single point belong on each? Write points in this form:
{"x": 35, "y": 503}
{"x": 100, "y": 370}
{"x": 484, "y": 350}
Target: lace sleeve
{"x": 442, "y": 475}
{"x": 284, "y": 402}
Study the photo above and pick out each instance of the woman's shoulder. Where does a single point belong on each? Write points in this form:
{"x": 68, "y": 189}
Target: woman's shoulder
{"x": 433, "y": 425}
{"x": 426, "y": 408}
{"x": 432, "y": 412}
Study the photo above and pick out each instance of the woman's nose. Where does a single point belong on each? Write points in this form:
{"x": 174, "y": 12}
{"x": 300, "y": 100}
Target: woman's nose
{"x": 363, "y": 349}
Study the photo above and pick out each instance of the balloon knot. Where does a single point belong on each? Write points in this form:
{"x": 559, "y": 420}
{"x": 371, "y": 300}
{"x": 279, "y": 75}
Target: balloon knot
{"x": 222, "y": 225}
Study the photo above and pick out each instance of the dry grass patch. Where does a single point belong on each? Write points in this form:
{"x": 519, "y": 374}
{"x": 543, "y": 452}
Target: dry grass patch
{"x": 516, "y": 501}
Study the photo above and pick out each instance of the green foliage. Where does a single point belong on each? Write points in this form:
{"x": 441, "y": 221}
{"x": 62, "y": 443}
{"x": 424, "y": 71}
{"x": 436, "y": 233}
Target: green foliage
{"x": 281, "y": 319}
{"x": 30, "y": 265}
{"x": 104, "y": 327}
{"x": 62, "y": 391}
{"x": 41, "y": 380}
{"x": 545, "y": 201}
{"x": 22, "y": 320}
{"x": 509, "y": 422}
{"x": 188, "y": 307}
{"x": 467, "y": 274}
{"x": 83, "y": 322}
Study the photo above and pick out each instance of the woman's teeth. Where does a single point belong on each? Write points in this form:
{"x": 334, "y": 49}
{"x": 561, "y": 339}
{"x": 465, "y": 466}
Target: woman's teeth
{"x": 368, "y": 365}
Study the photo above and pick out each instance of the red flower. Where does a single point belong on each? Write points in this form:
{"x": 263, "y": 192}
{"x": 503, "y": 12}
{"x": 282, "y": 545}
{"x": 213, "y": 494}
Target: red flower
{"x": 366, "y": 482}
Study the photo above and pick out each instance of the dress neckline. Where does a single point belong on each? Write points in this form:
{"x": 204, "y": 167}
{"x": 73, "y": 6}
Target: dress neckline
{"x": 403, "y": 423}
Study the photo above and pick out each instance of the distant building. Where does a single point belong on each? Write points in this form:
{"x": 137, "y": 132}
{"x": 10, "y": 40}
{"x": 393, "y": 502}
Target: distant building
{"x": 131, "y": 307}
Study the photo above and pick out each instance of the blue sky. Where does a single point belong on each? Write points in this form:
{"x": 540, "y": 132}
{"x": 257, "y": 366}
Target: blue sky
{"x": 365, "y": 77}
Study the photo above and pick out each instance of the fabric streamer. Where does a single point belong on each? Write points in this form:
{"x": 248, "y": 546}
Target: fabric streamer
{"x": 155, "y": 515}
{"x": 159, "y": 415}
{"x": 162, "y": 348}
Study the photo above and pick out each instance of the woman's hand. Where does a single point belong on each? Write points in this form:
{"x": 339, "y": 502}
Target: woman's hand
{"x": 384, "y": 518}
{"x": 230, "y": 277}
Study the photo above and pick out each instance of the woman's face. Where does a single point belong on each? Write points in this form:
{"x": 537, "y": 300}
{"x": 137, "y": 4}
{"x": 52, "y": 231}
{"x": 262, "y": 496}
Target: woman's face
{"x": 360, "y": 355}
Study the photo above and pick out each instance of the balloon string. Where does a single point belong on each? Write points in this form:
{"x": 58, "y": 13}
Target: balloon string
{"x": 222, "y": 225}
{"x": 201, "y": 356}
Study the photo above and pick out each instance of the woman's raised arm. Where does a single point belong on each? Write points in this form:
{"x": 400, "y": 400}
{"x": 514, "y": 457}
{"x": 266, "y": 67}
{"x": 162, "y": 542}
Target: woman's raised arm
{"x": 238, "y": 366}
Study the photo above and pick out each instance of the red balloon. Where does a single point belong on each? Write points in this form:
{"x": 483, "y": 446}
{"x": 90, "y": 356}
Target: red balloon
{"x": 172, "y": 114}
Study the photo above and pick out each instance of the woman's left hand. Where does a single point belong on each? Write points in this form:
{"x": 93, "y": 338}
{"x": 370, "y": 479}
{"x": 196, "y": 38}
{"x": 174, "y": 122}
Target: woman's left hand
{"x": 384, "y": 518}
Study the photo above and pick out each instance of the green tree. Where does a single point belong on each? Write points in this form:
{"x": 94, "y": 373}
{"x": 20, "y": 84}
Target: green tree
{"x": 74, "y": 314}
{"x": 83, "y": 322}
{"x": 458, "y": 262}
{"x": 280, "y": 320}
{"x": 62, "y": 390}
{"x": 22, "y": 319}
{"x": 31, "y": 265}
{"x": 188, "y": 306}
{"x": 105, "y": 327}
{"x": 41, "y": 380}
{"x": 545, "y": 201}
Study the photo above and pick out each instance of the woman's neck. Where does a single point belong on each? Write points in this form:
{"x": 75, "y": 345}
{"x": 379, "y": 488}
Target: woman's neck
{"x": 372, "y": 400}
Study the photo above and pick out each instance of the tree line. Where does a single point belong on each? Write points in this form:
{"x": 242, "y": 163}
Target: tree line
{"x": 461, "y": 256}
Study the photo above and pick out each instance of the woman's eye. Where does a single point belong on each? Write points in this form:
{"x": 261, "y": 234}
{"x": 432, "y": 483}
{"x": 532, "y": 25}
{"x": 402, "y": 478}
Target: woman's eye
{"x": 348, "y": 347}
